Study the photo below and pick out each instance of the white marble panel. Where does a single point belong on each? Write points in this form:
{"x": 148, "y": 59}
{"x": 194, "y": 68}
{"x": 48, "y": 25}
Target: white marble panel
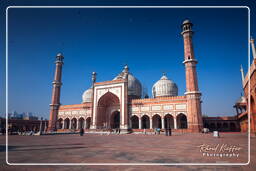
{"x": 135, "y": 109}
{"x": 156, "y": 107}
{"x": 180, "y": 106}
{"x": 168, "y": 107}
{"x": 145, "y": 108}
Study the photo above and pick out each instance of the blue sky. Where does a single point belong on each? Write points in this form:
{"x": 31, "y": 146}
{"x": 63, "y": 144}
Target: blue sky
{"x": 103, "y": 40}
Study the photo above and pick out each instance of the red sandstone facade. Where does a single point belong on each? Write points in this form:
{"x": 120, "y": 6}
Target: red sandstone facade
{"x": 222, "y": 124}
{"x": 112, "y": 104}
{"x": 247, "y": 106}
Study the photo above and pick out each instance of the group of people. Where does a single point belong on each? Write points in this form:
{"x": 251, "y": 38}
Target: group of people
{"x": 168, "y": 131}
{"x": 116, "y": 131}
{"x": 3, "y": 130}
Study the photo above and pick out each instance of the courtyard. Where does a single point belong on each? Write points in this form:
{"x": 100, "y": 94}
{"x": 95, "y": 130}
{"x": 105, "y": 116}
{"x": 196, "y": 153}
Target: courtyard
{"x": 126, "y": 148}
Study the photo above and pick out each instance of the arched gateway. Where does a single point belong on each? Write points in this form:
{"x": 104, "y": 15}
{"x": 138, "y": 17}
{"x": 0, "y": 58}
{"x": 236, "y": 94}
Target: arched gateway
{"x": 108, "y": 115}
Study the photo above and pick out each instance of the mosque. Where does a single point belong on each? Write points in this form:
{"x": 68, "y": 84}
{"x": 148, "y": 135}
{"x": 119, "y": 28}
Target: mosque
{"x": 118, "y": 103}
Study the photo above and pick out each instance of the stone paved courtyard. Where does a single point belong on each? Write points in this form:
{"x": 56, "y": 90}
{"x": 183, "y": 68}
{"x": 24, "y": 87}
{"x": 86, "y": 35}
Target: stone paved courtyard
{"x": 95, "y": 148}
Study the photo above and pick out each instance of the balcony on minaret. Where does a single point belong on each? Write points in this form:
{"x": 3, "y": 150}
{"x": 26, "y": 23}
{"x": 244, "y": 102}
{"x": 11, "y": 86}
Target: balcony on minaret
{"x": 57, "y": 83}
{"x": 188, "y": 44}
{"x": 59, "y": 58}
{"x": 186, "y": 27}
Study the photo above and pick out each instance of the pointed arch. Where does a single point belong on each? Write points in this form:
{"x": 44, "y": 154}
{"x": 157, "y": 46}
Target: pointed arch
{"x": 107, "y": 103}
{"x": 135, "y": 122}
{"x": 156, "y": 121}
{"x": 168, "y": 121}
{"x": 145, "y": 122}
{"x": 182, "y": 121}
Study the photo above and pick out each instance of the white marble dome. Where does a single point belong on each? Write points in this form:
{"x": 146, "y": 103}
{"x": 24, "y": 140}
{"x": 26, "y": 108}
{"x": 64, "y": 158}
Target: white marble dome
{"x": 164, "y": 87}
{"x": 134, "y": 85}
{"x": 87, "y": 95}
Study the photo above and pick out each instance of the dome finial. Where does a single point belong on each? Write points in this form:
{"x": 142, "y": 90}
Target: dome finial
{"x": 164, "y": 77}
{"x": 126, "y": 68}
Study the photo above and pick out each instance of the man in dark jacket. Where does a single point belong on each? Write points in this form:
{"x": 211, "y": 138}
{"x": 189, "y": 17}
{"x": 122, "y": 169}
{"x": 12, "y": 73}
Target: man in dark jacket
{"x": 81, "y": 131}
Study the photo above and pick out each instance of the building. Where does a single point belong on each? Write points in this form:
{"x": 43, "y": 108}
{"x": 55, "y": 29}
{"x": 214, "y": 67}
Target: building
{"x": 21, "y": 125}
{"x": 118, "y": 104}
{"x": 222, "y": 123}
{"x": 23, "y": 115}
{"x": 246, "y": 106}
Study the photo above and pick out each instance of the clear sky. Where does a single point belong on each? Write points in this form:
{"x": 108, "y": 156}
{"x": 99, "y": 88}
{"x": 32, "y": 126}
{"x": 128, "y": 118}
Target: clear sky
{"x": 103, "y": 40}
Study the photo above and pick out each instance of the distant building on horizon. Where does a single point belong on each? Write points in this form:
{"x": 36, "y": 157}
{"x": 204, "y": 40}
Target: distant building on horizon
{"x": 22, "y": 116}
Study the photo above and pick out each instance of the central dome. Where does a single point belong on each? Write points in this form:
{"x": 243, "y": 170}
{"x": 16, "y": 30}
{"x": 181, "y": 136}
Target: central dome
{"x": 164, "y": 87}
{"x": 134, "y": 85}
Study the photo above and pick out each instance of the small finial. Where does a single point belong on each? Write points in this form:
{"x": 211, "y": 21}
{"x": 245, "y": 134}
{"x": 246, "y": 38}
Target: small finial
{"x": 164, "y": 77}
{"x": 126, "y": 68}
{"x": 59, "y": 54}
{"x": 186, "y": 21}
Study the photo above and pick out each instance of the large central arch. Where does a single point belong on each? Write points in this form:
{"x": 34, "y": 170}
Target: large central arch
{"x": 108, "y": 103}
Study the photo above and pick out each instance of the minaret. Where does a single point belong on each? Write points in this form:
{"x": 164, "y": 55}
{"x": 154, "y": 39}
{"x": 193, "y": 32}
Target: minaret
{"x": 54, "y": 106}
{"x": 125, "y": 112}
{"x": 242, "y": 74}
{"x": 194, "y": 115}
{"x": 253, "y": 48}
{"x": 94, "y": 74}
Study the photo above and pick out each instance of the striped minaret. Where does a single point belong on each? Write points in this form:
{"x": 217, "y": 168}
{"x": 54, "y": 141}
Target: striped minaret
{"x": 54, "y": 106}
{"x": 193, "y": 95}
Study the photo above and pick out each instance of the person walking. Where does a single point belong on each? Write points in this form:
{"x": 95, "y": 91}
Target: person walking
{"x": 81, "y": 132}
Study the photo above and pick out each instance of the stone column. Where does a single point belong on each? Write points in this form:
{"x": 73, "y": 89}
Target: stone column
{"x": 84, "y": 124}
{"x": 94, "y": 105}
{"x": 175, "y": 122}
{"x": 151, "y": 123}
{"x": 140, "y": 127}
{"x": 125, "y": 114}
{"x": 163, "y": 123}
{"x": 237, "y": 110}
{"x": 63, "y": 125}
{"x": 70, "y": 124}
{"x": 77, "y": 124}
